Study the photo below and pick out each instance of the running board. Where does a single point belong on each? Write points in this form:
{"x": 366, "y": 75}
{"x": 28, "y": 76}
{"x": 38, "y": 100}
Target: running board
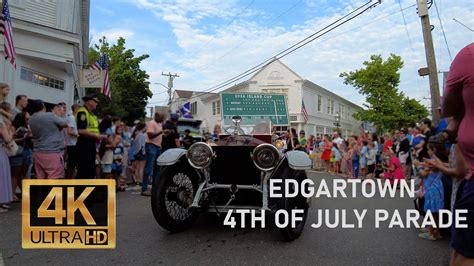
{"x": 220, "y": 208}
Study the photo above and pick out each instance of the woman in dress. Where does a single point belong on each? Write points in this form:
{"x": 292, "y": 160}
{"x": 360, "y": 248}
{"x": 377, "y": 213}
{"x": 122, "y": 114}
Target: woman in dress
{"x": 326, "y": 155}
{"x": 6, "y": 194}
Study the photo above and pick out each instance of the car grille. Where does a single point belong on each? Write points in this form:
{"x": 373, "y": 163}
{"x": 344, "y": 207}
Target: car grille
{"x": 234, "y": 165}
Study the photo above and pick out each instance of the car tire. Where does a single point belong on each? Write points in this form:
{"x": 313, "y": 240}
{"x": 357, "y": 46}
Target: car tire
{"x": 299, "y": 202}
{"x": 163, "y": 196}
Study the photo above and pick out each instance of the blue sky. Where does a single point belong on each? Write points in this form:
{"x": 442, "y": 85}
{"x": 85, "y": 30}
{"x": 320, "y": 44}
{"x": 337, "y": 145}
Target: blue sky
{"x": 208, "y": 41}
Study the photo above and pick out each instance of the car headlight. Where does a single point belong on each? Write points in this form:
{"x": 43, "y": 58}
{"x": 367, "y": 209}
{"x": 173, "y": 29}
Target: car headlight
{"x": 266, "y": 157}
{"x": 200, "y": 155}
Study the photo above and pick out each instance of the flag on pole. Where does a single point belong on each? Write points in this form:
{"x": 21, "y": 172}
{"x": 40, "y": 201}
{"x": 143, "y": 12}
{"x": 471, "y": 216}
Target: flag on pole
{"x": 6, "y": 31}
{"x": 101, "y": 65}
{"x": 185, "y": 110}
{"x": 303, "y": 111}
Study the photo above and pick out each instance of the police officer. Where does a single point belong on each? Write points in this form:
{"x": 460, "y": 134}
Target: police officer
{"x": 88, "y": 129}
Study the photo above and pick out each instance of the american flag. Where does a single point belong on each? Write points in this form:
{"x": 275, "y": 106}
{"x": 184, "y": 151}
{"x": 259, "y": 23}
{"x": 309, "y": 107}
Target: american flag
{"x": 303, "y": 111}
{"x": 101, "y": 65}
{"x": 6, "y": 30}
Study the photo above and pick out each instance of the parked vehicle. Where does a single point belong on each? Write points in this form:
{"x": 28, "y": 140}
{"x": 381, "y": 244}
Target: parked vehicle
{"x": 231, "y": 174}
{"x": 192, "y": 125}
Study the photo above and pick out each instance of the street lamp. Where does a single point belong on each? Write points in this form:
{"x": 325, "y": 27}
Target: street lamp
{"x": 163, "y": 85}
{"x": 168, "y": 89}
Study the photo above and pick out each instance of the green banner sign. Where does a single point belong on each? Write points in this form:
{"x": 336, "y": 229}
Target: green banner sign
{"x": 254, "y": 108}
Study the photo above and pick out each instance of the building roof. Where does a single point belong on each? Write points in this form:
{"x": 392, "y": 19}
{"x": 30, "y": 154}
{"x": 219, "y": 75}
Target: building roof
{"x": 184, "y": 94}
{"x": 235, "y": 87}
{"x": 272, "y": 62}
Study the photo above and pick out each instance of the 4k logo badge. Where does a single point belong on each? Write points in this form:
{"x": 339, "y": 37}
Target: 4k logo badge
{"x": 68, "y": 213}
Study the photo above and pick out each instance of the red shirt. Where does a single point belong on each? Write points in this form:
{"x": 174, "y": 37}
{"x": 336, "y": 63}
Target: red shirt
{"x": 388, "y": 144}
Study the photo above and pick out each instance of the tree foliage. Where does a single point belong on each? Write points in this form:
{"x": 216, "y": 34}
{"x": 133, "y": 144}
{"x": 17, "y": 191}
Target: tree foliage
{"x": 385, "y": 106}
{"x": 128, "y": 82}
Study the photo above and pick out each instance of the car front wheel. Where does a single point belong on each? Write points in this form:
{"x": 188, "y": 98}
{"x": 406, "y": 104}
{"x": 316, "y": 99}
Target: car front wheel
{"x": 173, "y": 196}
{"x": 289, "y": 204}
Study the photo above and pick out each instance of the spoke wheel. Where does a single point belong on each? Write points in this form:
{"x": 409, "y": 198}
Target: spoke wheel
{"x": 172, "y": 198}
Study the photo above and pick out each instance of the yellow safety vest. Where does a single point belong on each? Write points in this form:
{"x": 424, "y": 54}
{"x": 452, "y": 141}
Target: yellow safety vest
{"x": 92, "y": 124}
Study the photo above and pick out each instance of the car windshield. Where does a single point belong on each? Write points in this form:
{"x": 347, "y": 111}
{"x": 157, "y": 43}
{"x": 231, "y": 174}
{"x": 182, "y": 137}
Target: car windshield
{"x": 192, "y": 126}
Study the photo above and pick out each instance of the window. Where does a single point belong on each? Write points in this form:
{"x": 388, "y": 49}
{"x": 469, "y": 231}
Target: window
{"x": 319, "y": 130}
{"x": 281, "y": 129}
{"x": 329, "y": 106}
{"x": 343, "y": 108}
{"x": 319, "y": 103}
{"x": 194, "y": 108}
{"x": 277, "y": 91}
{"x": 332, "y": 107}
{"x": 216, "y": 107}
{"x": 41, "y": 79}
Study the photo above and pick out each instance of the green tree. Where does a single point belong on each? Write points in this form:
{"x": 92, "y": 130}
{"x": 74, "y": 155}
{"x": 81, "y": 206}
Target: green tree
{"x": 129, "y": 83}
{"x": 385, "y": 106}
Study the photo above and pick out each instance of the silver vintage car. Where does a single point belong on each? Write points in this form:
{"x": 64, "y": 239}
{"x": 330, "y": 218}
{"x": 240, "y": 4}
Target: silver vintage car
{"x": 230, "y": 174}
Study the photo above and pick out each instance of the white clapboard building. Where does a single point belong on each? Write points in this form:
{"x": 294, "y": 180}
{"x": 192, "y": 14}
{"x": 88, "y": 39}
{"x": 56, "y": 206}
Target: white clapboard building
{"x": 324, "y": 107}
{"x": 51, "y": 40}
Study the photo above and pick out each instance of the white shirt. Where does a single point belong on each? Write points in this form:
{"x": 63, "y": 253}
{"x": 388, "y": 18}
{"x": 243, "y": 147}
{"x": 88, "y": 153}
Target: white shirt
{"x": 71, "y": 122}
{"x": 338, "y": 141}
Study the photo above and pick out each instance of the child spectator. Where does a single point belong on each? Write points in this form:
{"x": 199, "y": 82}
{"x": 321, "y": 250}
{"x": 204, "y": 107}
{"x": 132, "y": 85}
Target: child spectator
{"x": 139, "y": 153}
{"x": 118, "y": 152}
{"x": 363, "y": 159}
{"x": 335, "y": 155}
{"x": 392, "y": 167}
{"x": 371, "y": 159}
{"x": 433, "y": 190}
{"x": 355, "y": 159}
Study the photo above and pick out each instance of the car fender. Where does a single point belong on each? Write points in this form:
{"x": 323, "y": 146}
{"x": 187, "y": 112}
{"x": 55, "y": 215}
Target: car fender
{"x": 170, "y": 156}
{"x": 298, "y": 160}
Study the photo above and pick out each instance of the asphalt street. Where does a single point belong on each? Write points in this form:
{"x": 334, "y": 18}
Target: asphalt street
{"x": 140, "y": 240}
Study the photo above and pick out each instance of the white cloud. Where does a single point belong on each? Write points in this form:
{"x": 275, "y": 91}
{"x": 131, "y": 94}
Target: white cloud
{"x": 207, "y": 58}
{"x": 112, "y": 34}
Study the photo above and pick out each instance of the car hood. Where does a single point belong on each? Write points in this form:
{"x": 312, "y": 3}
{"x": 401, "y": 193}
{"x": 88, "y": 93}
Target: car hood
{"x": 238, "y": 140}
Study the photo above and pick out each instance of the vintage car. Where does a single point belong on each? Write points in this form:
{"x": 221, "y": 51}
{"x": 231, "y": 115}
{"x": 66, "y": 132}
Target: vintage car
{"x": 232, "y": 173}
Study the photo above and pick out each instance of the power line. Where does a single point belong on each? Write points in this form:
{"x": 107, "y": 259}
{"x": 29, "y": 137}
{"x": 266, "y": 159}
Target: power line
{"x": 463, "y": 24}
{"x": 213, "y": 37}
{"x": 406, "y": 26}
{"x": 293, "y": 48}
{"x": 244, "y": 41}
{"x": 369, "y": 23}
{"x": 281, "y": 53}
{"x": 442, "y": 30}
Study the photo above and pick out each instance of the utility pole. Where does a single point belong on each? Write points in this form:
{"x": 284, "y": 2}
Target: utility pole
{"x": 170, "y": 86}
{"x": 430, "y": 59}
